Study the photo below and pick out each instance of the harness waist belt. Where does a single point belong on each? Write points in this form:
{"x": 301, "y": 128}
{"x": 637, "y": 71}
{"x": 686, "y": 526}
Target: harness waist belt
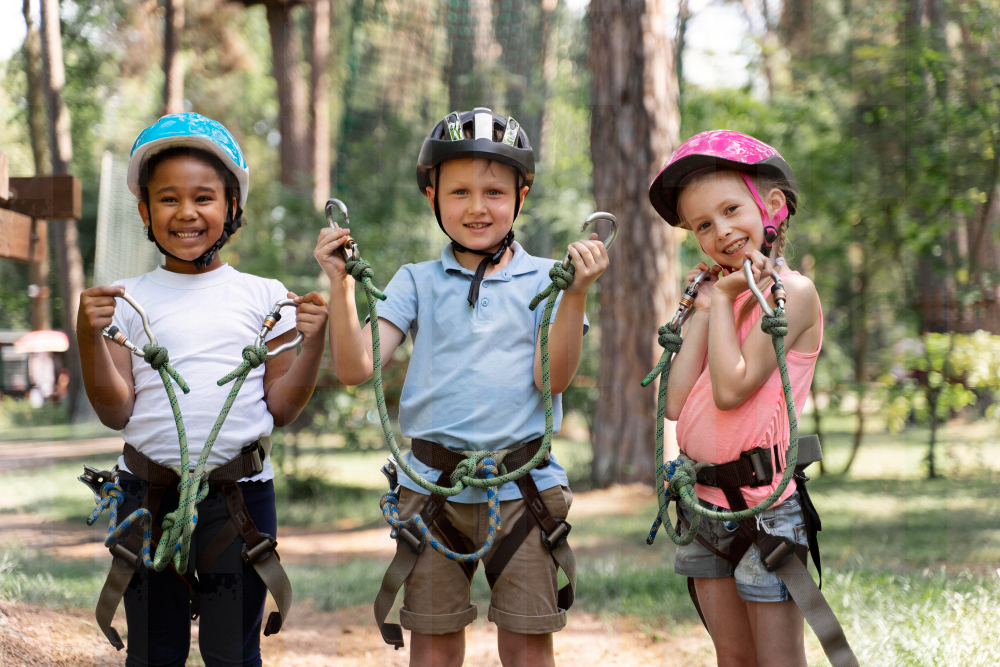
{"x": 247, "y": 463}
{"x": 441, "y": 458}
{"x": 754, "y": 468}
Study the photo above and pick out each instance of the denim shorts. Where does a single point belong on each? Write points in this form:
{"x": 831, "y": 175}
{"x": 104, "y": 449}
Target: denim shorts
{"x": 753, "y": 582}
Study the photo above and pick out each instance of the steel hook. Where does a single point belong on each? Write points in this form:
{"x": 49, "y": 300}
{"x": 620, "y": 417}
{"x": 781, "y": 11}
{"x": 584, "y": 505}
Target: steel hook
{"x": 269, "y": 322}
{"x": 777, "y": 289}
{"x": 350, "y": 249}
{"x": 116, "y": 335}
{"x": 686, "y": 306}
{"x": 609, "y": 240}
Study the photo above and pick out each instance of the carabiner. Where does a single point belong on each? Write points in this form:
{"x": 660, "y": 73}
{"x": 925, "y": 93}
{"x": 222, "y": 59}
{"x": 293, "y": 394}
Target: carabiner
{"x": 269, "y": 322}
{"x": 777, "y": 289}
{"x": 349, "y": 250}
{"x": 116, "y": 335}
{"x": 609, "y": 240}
{"x": 686, "y": 306}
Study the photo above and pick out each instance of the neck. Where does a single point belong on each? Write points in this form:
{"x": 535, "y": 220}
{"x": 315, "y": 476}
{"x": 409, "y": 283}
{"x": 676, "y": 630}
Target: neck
{"x": 470, "y": 261}
{"x": 182, "y": 266}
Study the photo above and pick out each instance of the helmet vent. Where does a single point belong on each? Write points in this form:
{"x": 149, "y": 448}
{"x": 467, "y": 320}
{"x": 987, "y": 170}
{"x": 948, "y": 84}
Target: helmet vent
{"x": 484, "y": 124}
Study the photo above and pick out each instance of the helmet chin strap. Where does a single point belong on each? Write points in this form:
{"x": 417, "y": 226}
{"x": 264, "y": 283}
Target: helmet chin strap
{"x": 489, "y": 257}
{"x": 770, "y": 223}
{"x": 233, "y": 223}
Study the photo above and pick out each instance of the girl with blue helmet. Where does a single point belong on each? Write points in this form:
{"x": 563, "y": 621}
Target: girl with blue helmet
{"x": 191, "y": 180}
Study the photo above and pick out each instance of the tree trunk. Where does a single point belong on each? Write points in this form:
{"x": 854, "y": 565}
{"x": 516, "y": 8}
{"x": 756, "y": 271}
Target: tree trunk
{"x": 859, "y": 318}
{"x": 683, "y": 16}
{"x": 41, "y": 308}
{"x": 65, "y": 236}
{"x": 319, "y": 56}
{"x": 635, "y": 125}
{"x": 293, "y": 115}
{"x": 173, "y": 66}
{"x": 817, "y": 422}
{"x": 550, "y": 69}
{"x": 471, "y": 43}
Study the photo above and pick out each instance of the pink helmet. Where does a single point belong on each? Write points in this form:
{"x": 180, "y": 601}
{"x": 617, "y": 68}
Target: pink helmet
{"x": 723, "y": 149}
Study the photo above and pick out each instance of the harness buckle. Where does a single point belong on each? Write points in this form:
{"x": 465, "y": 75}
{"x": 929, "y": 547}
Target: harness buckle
{"x": 118, "y": 551}
{"x": 391, "y": 474}
{"x": 558, "y": 536}
{"x": 95, "y": 479}
{"x": 261, "y": 551}
{"x": 410, "y": 541}
{"x": 255, "y": 451}
{"x": 761, "y": 469}
{"x": 781, "y": 554}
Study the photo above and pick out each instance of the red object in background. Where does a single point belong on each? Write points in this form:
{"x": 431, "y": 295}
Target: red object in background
{"x": 42, "y": 341}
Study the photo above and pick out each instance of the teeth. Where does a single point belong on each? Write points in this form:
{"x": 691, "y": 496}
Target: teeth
{"x": 187, "y": 235}
{"x": 735, "y": 248}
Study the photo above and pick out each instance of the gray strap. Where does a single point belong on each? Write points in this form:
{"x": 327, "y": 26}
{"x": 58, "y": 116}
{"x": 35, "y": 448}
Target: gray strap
{"x": 275, "y": 578}
{"x": 809, "y": 450}
{"x": 399, "y": 569}
{"x": 566, "y": 559}
{"x": 817, "y": 612}
{"x": 111, "y": 595}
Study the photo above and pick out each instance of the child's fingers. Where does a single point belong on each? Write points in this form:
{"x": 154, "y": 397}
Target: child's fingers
{"x": 314, "y": 298}
{"x": 583, "y": 252}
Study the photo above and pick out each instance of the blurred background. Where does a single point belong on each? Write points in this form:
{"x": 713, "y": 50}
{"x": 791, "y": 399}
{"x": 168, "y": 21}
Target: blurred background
{"x": 889, "y": 113}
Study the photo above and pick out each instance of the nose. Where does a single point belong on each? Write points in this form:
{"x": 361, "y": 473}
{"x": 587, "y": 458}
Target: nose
{"x": 477, "y": 203}
{"x": 187, "y": 209}
{"x": 723, "y": 228}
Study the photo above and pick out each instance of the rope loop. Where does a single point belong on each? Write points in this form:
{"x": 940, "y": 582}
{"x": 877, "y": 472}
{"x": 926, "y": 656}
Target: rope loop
{"x": 359, "y": 269}
{"x": 562, "y": 277}
{"x": 669, "y": 339}
{"x": 775, "y": 326}
{"x": 156, "y": 356}
{"x": 254, "y": 355}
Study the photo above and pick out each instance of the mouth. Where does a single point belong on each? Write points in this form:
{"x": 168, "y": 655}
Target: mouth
{"x": 476, "y": 226}
{"x": 188, "y": 234}
{"x": 735, "y": 247}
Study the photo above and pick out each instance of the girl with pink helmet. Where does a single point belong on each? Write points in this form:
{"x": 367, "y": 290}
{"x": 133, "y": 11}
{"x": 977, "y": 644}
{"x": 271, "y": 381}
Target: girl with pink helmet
{"x": 736, "y": 195}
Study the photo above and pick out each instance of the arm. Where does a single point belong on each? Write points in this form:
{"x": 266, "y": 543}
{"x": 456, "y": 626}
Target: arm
{"x": 350, "y": 346}
{"x": 738, "y": 371}
{"x": 107, "y": 367}
{"x": 289, "y": 379}
{"x": 566, "y": 332}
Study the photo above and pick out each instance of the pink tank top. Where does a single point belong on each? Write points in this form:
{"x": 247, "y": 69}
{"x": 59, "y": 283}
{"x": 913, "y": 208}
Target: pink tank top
{"x": 706, "y": 433}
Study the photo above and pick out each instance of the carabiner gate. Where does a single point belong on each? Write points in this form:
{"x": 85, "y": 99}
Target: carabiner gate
{"x": 269, "y": 322}
{"x": 777, "y": 289}
{"x": 349, "y": 250}
{"x": 116, "y": 335}
{"x": 609, "y": 240}
{"x": 686, "y": 306}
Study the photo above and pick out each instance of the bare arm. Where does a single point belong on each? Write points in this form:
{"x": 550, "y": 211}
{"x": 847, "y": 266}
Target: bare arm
{"x": 289, "y": 379}
{"x": 566, "y": 332}
{"x": 107, "y": 367}
{"x": 350, "y": 346}
{"x": 738, "y": 371}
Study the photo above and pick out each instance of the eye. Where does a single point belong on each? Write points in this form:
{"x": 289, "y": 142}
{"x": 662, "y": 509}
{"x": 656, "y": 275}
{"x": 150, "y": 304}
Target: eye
{"x": 493, "y": 192}
{"x": 460, "y": 191}
{"x": 703, "y": 226}
{"x": 205, "y": 198}
{"x": 731, "y": 209}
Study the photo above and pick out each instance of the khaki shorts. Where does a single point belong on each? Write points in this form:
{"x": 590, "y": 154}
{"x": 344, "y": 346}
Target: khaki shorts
{"x": 437, "y": 594}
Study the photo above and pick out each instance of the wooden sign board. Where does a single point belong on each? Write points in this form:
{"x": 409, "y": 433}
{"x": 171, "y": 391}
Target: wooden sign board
{"x": 4, "y": 176}
{"x": 15, "y": 238}
{"x": 49, "y": 197}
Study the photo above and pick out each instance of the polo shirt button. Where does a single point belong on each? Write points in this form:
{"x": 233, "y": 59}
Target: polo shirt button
{"x": 485, "y": 284}
{"x": 485, "y": 302}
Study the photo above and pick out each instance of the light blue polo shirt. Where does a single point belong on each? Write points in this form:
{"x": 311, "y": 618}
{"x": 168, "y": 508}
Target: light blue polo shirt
{"x": 470, "y": 382}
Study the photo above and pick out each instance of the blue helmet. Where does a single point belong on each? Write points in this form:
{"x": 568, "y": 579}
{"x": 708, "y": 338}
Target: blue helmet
{"x": 196, "y": 131}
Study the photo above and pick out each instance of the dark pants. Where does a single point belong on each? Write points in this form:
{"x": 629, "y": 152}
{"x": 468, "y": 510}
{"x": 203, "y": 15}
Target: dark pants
{"x": 231, "y": 594}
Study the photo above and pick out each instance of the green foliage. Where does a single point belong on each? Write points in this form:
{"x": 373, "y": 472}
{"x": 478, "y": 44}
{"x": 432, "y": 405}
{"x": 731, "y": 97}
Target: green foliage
{"x": 19, "y": 413}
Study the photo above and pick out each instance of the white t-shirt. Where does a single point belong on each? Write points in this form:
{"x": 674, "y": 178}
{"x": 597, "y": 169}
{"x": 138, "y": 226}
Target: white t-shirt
{"x": 204, "y": 321}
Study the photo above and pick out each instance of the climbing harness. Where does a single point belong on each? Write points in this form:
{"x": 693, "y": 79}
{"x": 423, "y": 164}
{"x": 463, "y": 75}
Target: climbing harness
{"x": 173, "y": 537}
{"x": 478, "y": 469}
{"x": 754, "y": 468}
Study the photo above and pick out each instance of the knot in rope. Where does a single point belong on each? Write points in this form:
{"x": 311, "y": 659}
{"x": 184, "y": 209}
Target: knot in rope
{"x": 669, "y": 339}
{"x": 359, "y": 269}
{"x": 255, "y": 355}
{"x": 775, "y": 326}
{"x": 562, "y": 277}
{"x": 156, "y": 356}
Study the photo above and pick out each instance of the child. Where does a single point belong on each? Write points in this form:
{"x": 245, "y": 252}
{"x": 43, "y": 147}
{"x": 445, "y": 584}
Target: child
{"x": 473, "y": 383}
{"x": 191, "y": 181}
{"x": 735, "y": 193}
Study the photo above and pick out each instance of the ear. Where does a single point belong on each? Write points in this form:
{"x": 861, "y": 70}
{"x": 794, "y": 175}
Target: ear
{"x": 429, "y": 193}
{"x": 144, "y": 213}
{"x": 775, "y": 200}
{"x": 522, "y": 194}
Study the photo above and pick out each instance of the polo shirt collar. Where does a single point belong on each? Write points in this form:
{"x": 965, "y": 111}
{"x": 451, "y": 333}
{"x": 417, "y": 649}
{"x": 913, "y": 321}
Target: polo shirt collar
{"x": 519, "y": 264}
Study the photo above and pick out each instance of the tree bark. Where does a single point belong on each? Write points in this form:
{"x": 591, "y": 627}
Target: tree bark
{"x": 319, "y": 56}
{"x": 550, "y": 69}
{"x": 635, "y": 124}
{"x": 472, "y": 47}
{"x": 65, "y": 235}
{"x": 683, "y": 16}
{"x": 41, "y": 307}
{"x": 293, "y": 115}
{"x": 173, "y": 66}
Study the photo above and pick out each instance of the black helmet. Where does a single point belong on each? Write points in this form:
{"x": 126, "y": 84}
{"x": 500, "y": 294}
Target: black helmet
{"x": 479, "y": 133}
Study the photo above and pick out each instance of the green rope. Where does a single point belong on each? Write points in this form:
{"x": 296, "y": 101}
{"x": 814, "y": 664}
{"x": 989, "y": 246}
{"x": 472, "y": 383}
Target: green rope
{"x": 682, "y": 481}
{"x": 464, "y": 473}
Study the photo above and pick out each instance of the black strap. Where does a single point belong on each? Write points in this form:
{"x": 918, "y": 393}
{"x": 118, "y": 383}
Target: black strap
{"x": 813, "y": 524}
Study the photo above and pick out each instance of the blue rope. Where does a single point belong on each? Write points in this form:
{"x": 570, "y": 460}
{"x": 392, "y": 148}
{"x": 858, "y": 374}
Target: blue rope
{"x": 389, "y": 506}
{"x": 669, "y": 468}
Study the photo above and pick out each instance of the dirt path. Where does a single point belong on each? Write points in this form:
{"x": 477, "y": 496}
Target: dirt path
{"x": 34, "y": 637}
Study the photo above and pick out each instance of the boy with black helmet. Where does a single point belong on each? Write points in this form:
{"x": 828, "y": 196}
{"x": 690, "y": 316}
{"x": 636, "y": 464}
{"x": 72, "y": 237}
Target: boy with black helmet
{"x": 473, "y": 383}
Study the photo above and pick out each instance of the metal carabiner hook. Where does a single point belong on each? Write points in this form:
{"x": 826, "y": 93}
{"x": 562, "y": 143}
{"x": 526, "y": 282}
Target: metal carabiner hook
{"x": 609, "y": 240}
{"x": 269, "y": 322}
{"x": 350, "y": 249}
{"x": 686, "y": 306}
{"x": 777, "y": 289}
{"x": 116, "y": 335}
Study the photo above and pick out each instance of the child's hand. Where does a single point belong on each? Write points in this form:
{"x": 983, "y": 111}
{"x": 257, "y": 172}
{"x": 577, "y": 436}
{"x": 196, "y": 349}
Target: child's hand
{"x": 327, "y": 251}
{"x": 704, "y": 299}
{"x": 591, "y": 259}
{"x": 97, "y": 307}
{"x": 311, "y": 315}
{"x": 733, "y": 283}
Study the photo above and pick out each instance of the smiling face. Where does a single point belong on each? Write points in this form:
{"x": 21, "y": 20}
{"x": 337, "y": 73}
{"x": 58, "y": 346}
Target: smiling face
{"x": 476, "y": 200}
{"x": 720, "y": 210}
{"x": 187, "y": 210}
